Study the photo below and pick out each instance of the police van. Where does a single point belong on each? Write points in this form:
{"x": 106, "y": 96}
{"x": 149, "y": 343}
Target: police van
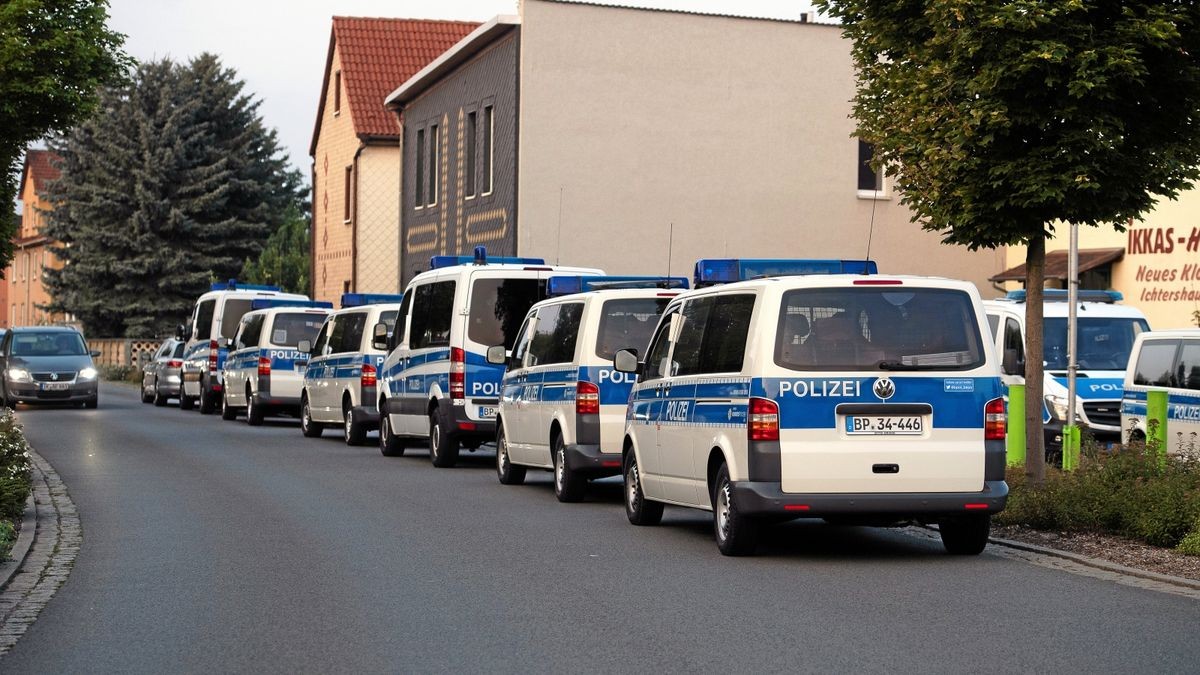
{"x": 562, "y": 405}
{"x": 264, "y": 372}
{"x": 817, "y": 389}
{"x": 215, "y": 316}
{"x": 1165, "y": 359}
{"x": 343, "y": 367}
{"x": 436, "y": 383}
{"x": 1107, "y": 331}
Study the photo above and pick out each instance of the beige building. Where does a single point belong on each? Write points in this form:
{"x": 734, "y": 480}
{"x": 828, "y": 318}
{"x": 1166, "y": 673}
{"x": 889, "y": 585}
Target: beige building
{"x": 27, "y": 294}
{"x": 628, "y": 123}
{"x": 356, "y": 150}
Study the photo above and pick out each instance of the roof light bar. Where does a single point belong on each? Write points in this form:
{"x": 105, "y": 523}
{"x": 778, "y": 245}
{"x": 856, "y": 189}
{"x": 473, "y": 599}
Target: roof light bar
{"x": 1060, "y": 295}
{"x": 582, "y": 284}
{"x": 234, "y": 285}
{"x": 711, "y": 271}
{"x": 480, "y": 258}
{"x": 271, "y": 303}
{"x": 360, "y": 299}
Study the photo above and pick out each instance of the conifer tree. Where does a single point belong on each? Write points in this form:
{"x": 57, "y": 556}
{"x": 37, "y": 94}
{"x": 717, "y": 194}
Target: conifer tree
{"x": 285, "y": 259}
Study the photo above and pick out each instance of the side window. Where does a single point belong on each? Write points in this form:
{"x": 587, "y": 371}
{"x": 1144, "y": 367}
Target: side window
{"x": 521, "y": 346}
{"x": 432, "y": 311}
{"x": 1187, "y": 374}
{"x": 337, "y": 335}
{"x": 691, "y": 336}
{"x": 725, "y": 334}
{"x": 656, "y": 357}
{"x": 1012, "y": 338}
{"x": 994, "y": 324}
{"x": 540, "y": 348}
{"x": 1155, "y": 364}
{"x": 318, "y": 348}
{"x": 555, "y": 334}
{"x": 248, "y": 331}
{"x": 401, "y": 321}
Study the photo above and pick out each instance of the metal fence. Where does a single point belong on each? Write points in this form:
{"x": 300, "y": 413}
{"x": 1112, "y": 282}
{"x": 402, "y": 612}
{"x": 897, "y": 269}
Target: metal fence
{"x": 121, "y": 351}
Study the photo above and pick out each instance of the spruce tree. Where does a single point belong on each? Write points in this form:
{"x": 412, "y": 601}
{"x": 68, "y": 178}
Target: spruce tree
{"x": 174, "y": 183}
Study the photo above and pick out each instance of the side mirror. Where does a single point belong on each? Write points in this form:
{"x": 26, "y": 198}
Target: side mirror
{"x": 1012, "y": 364}
{"x": 95, "y": 354}
{"x": 625, "y": 361}
{"x": 304, "y": 346}
{"x": 497, "y": 355}
{"x": 379, "y": 336}
{"x": 179, "y": 332}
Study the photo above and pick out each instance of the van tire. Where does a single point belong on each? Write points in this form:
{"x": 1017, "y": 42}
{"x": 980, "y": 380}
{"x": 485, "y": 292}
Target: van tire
{"x": 207, "y": 405}
{"x": 254, "y": 411}
{"x": 965, "y": 535}
{"x": 309, "y": 427}
{"x": 443, "y": 446}
{"x": 390, "y": 445}
{"x": 568, "y": 485}
{"x": 185, "y": 402}
{"x": 506, "y": 471}
{"x": 638, "y": 509}
{"x": 353, "y": 432}
{"x": 228, "y": 412}
{"x": 736, "y": 534}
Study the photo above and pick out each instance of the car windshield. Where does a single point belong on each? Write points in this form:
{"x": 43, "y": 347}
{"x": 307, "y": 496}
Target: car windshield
{"x": 48, "y": 344}
{"x": 1104, "y": 342}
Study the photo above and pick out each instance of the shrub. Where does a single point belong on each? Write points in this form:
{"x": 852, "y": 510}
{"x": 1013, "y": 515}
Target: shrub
{"x": 1191, "y": 542}
{"x": 120, "y": 373}
{"x": 15, "y": 467}
{"x": 8, "y": 536}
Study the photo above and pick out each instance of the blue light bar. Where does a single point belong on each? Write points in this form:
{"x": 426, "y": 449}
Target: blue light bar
{"x": 724, "y": 270}
{"x": 1060, "y": 295}
{"x": 480, "y": 258}
{"x": 360, "y": 299}
{"x": 233, "y": 285}
{"x": 579, "y": 284}
{"x": 269, "y": 303}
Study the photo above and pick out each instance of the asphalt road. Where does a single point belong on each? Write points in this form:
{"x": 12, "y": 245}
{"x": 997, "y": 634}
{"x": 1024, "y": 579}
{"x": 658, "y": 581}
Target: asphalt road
{"x": 214, "y": 546}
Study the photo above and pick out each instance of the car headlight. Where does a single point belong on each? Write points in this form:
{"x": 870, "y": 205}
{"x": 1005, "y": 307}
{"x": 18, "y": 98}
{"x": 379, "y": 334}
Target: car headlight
{"x": 1057, "y": 406}
{"x": 87, "y": 374}
{"x": 18, "y": 375}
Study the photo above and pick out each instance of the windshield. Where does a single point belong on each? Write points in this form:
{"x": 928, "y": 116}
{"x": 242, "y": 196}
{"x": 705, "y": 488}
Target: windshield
{"x": 1104, "y": 342}
{"x": 878, "y": 329}
{"x": 48, "y": 344}
{"x": 627, "y": 324}
{"x": 289, "y": 329}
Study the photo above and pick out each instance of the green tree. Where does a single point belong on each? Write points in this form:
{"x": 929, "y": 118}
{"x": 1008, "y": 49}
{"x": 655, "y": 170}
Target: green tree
{"x": 54, "y": 54}
{"x": 1000, "y": 118}
{"x": 172, "y": 184}
{"x": 285, "y": 259}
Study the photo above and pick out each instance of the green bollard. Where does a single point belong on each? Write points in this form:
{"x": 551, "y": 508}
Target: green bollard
{"x": 1156, "y": 425}
{"x": 1015, "y": 442}
{"x": 1070, "y": 447}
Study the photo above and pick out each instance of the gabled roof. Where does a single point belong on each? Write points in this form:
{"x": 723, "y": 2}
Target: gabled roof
{"x": 378, "y": 54}
{"x": 452, "y": 58}
{"x": 41, "y": 166}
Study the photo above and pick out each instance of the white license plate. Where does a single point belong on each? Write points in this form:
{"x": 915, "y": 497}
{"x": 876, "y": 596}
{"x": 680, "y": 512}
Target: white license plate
{"x": 55, "y": 386}
{"x": 884, "y": 425}
{"x": 487, "y": 412}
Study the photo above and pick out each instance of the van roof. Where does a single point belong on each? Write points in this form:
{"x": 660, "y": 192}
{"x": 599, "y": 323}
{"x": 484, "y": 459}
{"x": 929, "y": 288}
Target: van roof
{"x": 500, "y": 267}
{"x": 898, "y": 281}
{"x": 1172, "y": 334}
{"x": 1058, "y": 310}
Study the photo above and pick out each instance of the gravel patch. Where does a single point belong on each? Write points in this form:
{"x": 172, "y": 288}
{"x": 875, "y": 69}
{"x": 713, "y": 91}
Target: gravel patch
{"x": 1107, "y": 547}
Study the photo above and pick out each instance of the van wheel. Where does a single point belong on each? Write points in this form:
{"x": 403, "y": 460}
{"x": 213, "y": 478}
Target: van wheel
{"x": 185, "y": 402}
{"x": 228, "y": 412}
{"x": 308, "y": 427}
{"x": 443, "y": 447}
{"x": 390, "y": 445}
{"x": 506, "y": 471}
{"x": 568, "y": 486}
{"x": 207, "y": 405}
{"x": 354, "y": 433}
{"x": 737, "y": 534}
{"x": 254, "y": 410}
{"x": 638, "y": 509}
{"x": 965, "y": 535}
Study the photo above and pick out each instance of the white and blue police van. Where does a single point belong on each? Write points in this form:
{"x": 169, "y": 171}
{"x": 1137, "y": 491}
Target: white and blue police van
{"x": 562, "y": 405}
{"x": 216, "y": 316}
{"x": 264, "y": 372}
{"x": 1165, "y": 360}
{"x": 343, "y": 366}
{"x": 818, "y": 389}
{"x": 1107, "y": 331}
{"x": 436, "y": 384}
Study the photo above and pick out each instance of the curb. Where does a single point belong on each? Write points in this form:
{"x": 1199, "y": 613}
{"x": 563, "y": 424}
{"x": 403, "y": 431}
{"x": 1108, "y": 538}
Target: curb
{"x": 25, "y": 538}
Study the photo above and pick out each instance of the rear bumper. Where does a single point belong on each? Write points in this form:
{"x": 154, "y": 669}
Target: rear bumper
{"x": 366, "y": 415}
{"x": 587, "y": 460}
{"x": 767, "y": 498}
{"x": 291, "y": 403}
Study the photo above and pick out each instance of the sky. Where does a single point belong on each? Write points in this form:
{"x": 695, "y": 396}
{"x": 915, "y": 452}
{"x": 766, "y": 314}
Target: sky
{"x": 279, "y": 46}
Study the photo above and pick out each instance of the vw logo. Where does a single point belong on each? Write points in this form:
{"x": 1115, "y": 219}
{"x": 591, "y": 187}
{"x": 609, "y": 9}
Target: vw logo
{"x": 54, "y": 376}
{"x": 884, "y": 388}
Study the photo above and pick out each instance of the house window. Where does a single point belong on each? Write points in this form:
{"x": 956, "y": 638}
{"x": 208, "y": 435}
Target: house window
{"x": 470, "y": 141}
{"x": 870, "y": 181}
{"x": 346, "y": 286}
{"x": 419, "y": 201}
{"x": 489, "y": 128}
{"x": 435, "y": 151}
{"x": 348, "y": 188}
{"x": 337, "y": 92}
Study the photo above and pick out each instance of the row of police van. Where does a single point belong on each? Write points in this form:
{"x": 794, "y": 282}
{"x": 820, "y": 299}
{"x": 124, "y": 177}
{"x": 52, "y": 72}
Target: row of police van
{"x": 763, "y": 390}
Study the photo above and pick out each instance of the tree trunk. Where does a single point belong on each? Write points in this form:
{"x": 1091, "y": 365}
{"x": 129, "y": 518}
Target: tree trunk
{"x": 1035, "y": 438}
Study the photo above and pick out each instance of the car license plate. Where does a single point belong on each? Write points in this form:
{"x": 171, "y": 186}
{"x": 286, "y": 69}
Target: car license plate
{"x": 55, "y": 386}
{"x": 884, "y": 425}
{"x": 487, "y": 412}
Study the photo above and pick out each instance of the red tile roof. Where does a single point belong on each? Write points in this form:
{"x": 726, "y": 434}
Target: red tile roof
{"x": 38, "y": 164}
{"x": 377, "y": 56}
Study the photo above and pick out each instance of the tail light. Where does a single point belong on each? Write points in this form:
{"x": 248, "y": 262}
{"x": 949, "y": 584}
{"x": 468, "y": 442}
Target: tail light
{"x": 458, "y": 374}
{"x": 174, "y": 363}
{"x": 763, "y": 424}
{"x": 213, "y": 350}
{"x": 367, "y": 379}
{"x": 995, "y": 422}
{"x": 264, "y": 366}
{"x": 587, "y": 398}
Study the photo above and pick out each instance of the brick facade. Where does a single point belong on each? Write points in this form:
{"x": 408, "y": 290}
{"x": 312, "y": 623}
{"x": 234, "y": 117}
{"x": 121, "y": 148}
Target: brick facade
{"x": 27, "y": 294}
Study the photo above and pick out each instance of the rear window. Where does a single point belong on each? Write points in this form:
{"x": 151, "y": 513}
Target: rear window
{"x": 1155, "y": 364}
{"x": 878, "y": 329}
{"x": 178, "y": 353}
{"x": 235, "y": 309}
{"x": 498, "y": 306}
{"x": 204, "y": 317}
{"x": 289, "y": 329}
{"x": 628, "y": 324}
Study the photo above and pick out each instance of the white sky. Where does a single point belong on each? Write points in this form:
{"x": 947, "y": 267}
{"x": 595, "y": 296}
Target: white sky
{"x": 278, "y": 46}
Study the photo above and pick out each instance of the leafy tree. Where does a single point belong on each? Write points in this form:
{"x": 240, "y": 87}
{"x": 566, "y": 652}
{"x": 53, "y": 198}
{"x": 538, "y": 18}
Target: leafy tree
{"x": 1000, "y": 118}
{"x": 54, "y": 54}
{"x": 175, "y": 182}
{"x": 285, "y": 259}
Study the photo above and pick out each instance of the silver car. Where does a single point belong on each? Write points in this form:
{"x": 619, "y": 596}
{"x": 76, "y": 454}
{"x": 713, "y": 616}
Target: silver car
{"x": 161, "y": 374}
{"x": 46, "y": 364}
